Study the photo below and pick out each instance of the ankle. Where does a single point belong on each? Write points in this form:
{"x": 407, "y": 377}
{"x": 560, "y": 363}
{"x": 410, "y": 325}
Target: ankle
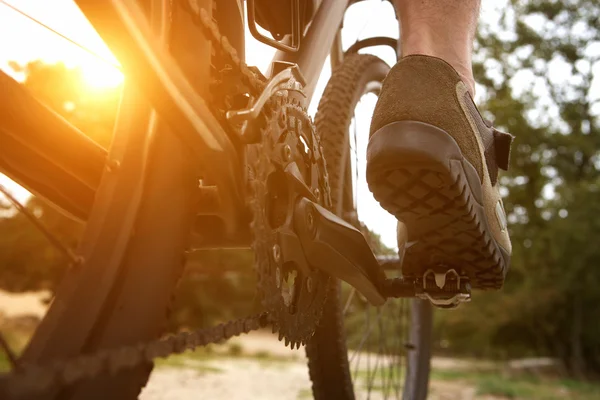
{"x": 458, "y": 58}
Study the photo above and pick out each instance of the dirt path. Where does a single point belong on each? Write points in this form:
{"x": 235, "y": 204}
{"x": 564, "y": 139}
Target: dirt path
{"x": 230, "y": 379}
{"x": 252, "y": 379}
{"x": 278, "y": 373}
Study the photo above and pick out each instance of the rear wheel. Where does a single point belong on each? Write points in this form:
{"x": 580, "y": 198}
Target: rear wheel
{"x": 360, "y": 351}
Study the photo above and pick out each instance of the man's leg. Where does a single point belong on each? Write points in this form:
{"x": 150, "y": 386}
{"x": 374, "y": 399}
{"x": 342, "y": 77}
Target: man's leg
{"x": 440, "y": 28}
{"x": 432, "y": 160}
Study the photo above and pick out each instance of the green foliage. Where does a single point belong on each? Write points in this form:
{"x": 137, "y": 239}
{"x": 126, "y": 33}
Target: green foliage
{"x": 495, "y": 386}
{"x": 196, "y": 360}
{"x": 27, "y": 260}
{"x": 375, "y": 242}
{"x": 217, "y": 285}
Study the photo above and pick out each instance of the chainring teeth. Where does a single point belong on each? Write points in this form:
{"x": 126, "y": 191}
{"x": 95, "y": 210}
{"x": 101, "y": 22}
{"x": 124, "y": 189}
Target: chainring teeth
{"x": 287, "y": 119}
{"x": 303, "y": 328}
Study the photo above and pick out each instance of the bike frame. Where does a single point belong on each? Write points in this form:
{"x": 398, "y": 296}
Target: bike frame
{"x": 124, "y": 27}
{"x": 81, "y": 173}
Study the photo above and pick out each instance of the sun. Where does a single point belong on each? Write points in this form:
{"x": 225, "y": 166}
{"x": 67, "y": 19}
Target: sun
{"x": 98, "y": 75}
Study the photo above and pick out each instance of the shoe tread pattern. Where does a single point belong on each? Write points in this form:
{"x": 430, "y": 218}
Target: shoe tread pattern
{"x": 444, "y": 217}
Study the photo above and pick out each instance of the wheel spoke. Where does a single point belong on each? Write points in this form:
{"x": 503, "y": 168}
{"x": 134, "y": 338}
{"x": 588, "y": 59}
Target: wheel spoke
{"x": 364, "y": 338}
{"x": 385, "y": 370}
{"x": 357, "y": 352}
{"x": 347, "y": 305}
{"x": 385, "y": 375}
{"x": 401, "y": 339}
{"x": 378, "y": 358}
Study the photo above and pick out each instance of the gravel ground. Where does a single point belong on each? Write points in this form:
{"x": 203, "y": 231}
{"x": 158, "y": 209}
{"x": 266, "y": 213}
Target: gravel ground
{"x": 252, "y": 379}
{"x": 281, "y": 375}
{"x": 230, "y": 379}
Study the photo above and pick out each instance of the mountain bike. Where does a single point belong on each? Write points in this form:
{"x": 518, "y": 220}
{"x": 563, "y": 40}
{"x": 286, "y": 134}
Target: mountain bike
{"x": 208, "y": 152}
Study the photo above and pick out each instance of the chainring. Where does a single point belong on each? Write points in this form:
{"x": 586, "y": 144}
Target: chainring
{"x": 293, "y": 294}
{"x": 294, "y": 309}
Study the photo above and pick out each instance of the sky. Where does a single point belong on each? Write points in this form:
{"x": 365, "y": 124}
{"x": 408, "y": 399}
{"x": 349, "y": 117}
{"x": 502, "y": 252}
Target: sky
{"x": 365, "y": 19}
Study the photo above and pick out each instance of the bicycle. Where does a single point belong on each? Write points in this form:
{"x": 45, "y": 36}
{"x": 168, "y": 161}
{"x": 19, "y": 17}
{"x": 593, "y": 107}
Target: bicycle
{"x": 217, "y": 149}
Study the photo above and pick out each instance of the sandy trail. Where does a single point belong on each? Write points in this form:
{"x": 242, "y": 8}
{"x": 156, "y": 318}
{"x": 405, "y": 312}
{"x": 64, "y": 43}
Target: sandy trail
{"x": 280, "y": 376}
{"x": 230, "y": 379}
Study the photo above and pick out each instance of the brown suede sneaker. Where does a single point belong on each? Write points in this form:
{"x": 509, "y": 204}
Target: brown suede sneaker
{"x": 432, "y": 161}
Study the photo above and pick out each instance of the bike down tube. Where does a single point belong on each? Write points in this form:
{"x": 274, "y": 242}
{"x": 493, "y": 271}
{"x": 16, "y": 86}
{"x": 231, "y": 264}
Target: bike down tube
{"x": 123, "y": 26}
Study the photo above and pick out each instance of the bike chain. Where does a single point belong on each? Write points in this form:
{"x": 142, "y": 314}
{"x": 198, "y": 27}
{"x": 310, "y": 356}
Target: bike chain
{"x": 205, "y": 22}
{"x": 31, "y": 379}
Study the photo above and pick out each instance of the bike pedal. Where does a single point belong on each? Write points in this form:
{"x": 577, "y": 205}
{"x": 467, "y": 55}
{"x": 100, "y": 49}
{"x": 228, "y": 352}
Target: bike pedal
{"x": 444, "y": 288}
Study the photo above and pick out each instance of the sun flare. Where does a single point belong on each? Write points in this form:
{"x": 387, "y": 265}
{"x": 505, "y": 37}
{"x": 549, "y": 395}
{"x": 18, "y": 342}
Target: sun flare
{"x": 44, "y": 36}
{"x": 101, "y": 76}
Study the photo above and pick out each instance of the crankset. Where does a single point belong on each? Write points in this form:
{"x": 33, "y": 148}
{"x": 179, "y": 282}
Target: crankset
{"x": 298, "y": 243}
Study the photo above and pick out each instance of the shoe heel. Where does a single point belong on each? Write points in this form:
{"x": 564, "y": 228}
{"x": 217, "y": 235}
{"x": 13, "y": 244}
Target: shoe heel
{"x": 417, "y": 173}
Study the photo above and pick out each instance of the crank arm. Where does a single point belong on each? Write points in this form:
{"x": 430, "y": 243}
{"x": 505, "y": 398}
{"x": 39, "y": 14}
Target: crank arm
{"x": 318, "y": 238}
{"x": 339, "y": 249}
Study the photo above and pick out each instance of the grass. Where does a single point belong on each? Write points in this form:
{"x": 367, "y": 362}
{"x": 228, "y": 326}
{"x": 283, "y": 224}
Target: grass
{"x": 191, "y": 359}
{"x": 498, "y": 383}
{"x": 199, "y": 358}
{"x": 305, "y": 394}
{"x": 388, "y": 379}
{"x": 235, "y": 349}
{"x": 382, "y": 370}
{"x": 183, "y": 362}
{"x": 263, "y": 355}
{"x": 524, "y": 386}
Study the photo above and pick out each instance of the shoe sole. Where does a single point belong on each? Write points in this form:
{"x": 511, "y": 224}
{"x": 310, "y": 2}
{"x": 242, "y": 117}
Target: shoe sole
{"x": 417, "y": 172}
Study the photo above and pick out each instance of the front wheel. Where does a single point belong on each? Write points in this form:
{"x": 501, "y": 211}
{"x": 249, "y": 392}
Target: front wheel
{"x": 360, "y": 351}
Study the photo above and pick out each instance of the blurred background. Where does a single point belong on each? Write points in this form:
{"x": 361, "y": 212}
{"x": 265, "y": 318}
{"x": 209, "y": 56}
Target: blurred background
{"x": 537, "y": 64}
